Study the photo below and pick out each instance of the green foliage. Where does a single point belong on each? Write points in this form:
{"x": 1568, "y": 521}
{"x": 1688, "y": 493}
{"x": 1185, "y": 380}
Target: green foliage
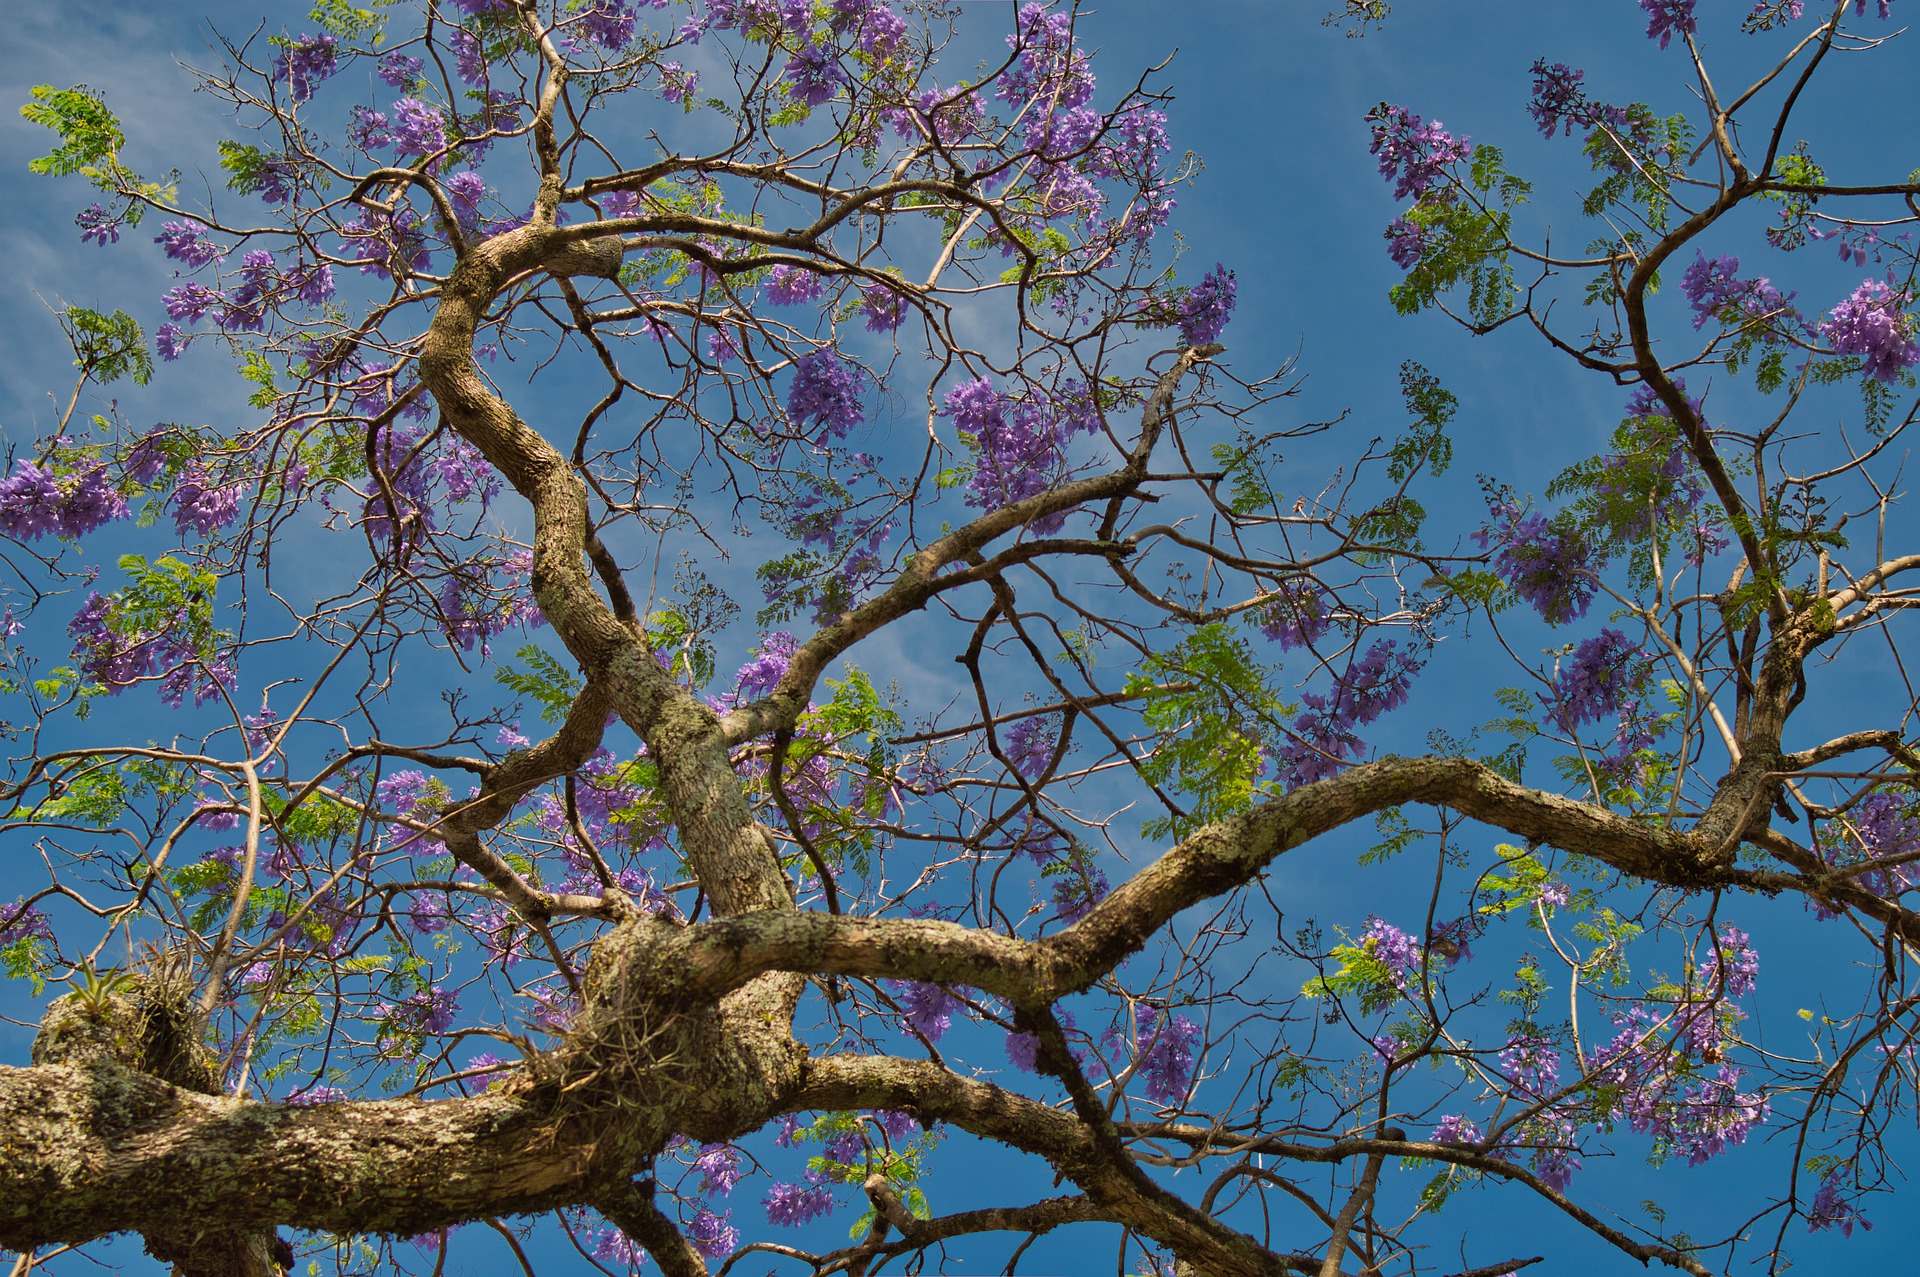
{"x": 90, "y": 134}
{"x": 1795, "y": 168}
{"x": 348, "y": 22}
{"x": 1207, "y": 698}
{"x": 1641, "y": 160}
{"x": 1243, "y": 464}
{"x": 1426, "y": 443}
{"x": 1466, "y": 243}
{"x": 546, "y": 680}
{"x": 107, "y": 347}
{"x": 1361, "y": 975}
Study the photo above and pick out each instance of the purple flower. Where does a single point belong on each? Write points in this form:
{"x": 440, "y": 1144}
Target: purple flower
{"x": 1591, "y": 682}
{"x": 1734, "y": 966}
{"x": 1207, "y": 307}
{"x": 1558, "y": 102}
{"x": 191, "y": 301}
{"x": 813, "y": 75}
{"x": 1455, "y": 1129}
{"x": 1554, "y": 894}
{"x": 302, "y": 64}
{"x": 826, "y": 393}
{"x": 1324, "y": 736}
{"x": 1546, "y": 566}
{"x": 1294, "y": 616}
{"x": 1393, "y": 948}
{"x": 1030, "y": 745}
{"x": 1406, "y": 242}
{"x": 316, "y": 1095}
{"x": 1050, "y": 69}
{"x": 719, "y": 1167}
{"x": 169, "y": 341}
{"x": 469, "y": 59}
{"x": 97, "y": 224}
{"x": 417, "y": 128}
{"x": 1023, "y": 1049}
{"x": 607, "y": 23}
{"x": 188, "y": 243}
{"x": 1872, "y": 324}
{"x": 926, "y": 1008}
{"x": 792, "y": 286}
{"x": 883, "y": 307}
{"x": 712, "y": 1234}
{"x": 1666, "y": 17}
{"x": 1413, "y": 153}
{"x": 678, "y": 85}
{"x": 429, "y": 915}
{"x": 1831, "y": 1210}
{"x": 791, "y": 1205}
{"x": 429, "y": 1011}
{"x": 1075, "y": 894}
{"x": 202, "y": 509}
{"x": 19, "y": 921}
{"x": 30, "y": 502}
{"x": 768, "y": 666}
{"x": 399, "y": 70}
{"x": 1165, "y": 1046}
{"x": 611, "y": 1246}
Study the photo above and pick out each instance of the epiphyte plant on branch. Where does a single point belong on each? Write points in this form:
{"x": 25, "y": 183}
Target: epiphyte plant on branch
{"x": 683, "y": 934}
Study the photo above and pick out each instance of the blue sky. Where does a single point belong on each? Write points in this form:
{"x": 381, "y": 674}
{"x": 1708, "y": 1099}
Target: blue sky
{"x": 1272, "y": 101}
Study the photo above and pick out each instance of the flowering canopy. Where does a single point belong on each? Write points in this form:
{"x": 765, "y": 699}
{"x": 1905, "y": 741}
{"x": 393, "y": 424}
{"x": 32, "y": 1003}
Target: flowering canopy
{"x": 487, "y": 814}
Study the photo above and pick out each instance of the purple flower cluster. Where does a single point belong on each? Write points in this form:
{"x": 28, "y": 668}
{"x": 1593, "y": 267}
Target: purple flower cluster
{"x": 1558, "y": 103}
{"x": 185, "y": 242}
{"x": 1548, "y": 567}
{"x": 1030, "y": 745}
{"x": 714, "y": 1236}
{"x": 1456, "y": 1129}
{"x": 719, "y": 1167}
{"x": 1413, "y": 153}
{"x": 826, "y": 393}
{"x": 926, "y": 1008}
{"x": 20, "y": 921}
{"x": 611, "y": 1246}
{"x": 1406, "y": 242}
{"x": 431, "y": 1010}
{"x": 302, "y": 64}
{"x": 945, "y": 117}
{"x": 813, "y": 75}
{"x": 1666, "y": 18}
{"x": 792, "y": 286}
{"x": 386, "y": 244}
{"x": 1207, "y": 307}
{"x": 1164, "y": 1046}
{"x": 1050, "y": 69}
{"x": 769, "y": 665}
{"x": 1831, "y": 1209}
{"x": 1590, "y": 683}
{"x": 1294, "y": 616}
{"x": 399, "y": 70}
{"x": 883, "y": 307}
{"x": 1393, "y": 948}
{"x": 1873, "y": 324}
{"x": 792, "y": 1205}
{"x": 1714, "y": 288}
{"x": 116, "y": 659}
{"x": 203, "y": 507}
{"x": 1019, "y": 445}
{"x": 34, "y": 502}
{"x": 678, "y": 85}
{"x": 98, "y": 225}
{"x": 1324, "y": 736}
{"x": 1076, "y": 893}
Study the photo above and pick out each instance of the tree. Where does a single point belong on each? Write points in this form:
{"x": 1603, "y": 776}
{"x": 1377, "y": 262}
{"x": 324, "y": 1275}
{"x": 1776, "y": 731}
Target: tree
{"x": 556, "y": 315}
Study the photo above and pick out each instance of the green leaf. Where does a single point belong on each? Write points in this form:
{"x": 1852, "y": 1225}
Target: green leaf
{"x": 107, "y": 347}
{"x": 90, "y": 134}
